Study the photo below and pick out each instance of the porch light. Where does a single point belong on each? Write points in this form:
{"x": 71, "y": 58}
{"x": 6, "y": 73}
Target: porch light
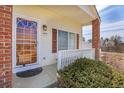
{"x": 44, "y": 28}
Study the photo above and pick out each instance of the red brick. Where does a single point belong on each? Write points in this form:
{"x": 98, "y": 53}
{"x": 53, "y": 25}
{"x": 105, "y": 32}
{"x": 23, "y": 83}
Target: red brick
{"x": 8, "y": 36}
{"x": 1, "y": 15}
{"x": 7, "y": 30}
{"x": 96, "y": 37}
{"x": 1, "y": 21}
{"x": 1, "y": 44}
{"x": 4, "y": 33}
{"x": 5, "y": 40}
{"x": 1, "y": 58}
{"x": 5, "y": 46}
{"x": 8, "y": 51}
{"x": 7, "y": 8}
{"x": 1, "y": 7}
{"x": 1, "y": 37}
{"x": 2, "y": 55}
{"x": 8, "y": 16}
{"x": 5, "y": 25}
{"x": 7, "y": 22}
{"x": 5, "y": 11}
{"x": 1, "y": 29}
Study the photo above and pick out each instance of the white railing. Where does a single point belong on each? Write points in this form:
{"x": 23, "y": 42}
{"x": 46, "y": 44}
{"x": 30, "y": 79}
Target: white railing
{"x": 66, "y": 57}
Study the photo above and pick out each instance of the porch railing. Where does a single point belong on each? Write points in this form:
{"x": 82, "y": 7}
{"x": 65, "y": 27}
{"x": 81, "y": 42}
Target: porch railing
{"x": 66, "y": 57}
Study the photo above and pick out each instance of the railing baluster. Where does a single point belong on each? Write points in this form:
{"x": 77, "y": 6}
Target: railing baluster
{"x": 66, "y": 57}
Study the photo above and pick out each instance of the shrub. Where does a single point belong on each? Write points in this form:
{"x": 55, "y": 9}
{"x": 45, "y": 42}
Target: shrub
{"x": 87, "y": 73}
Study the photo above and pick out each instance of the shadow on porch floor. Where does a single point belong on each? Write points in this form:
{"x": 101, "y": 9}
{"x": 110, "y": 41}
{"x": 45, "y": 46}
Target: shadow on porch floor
{"x": 46, "y": 78}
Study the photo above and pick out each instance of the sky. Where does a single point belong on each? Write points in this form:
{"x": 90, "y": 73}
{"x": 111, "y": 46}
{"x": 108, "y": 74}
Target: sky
{"x": 100, "y": 7}
{"x": 112, "y": 22}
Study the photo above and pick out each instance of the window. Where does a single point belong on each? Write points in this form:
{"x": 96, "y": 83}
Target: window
{"x": 65, "y": 40}
{"x": 26, "y": 38}
{"x": 62, "y": 40}
{"x": 72, "y": 41}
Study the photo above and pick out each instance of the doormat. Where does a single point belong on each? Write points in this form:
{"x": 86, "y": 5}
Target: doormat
{"x": 29, "y": 73}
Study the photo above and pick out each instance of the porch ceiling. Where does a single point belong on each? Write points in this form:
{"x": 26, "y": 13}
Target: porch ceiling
{"x": 83, "y": 14}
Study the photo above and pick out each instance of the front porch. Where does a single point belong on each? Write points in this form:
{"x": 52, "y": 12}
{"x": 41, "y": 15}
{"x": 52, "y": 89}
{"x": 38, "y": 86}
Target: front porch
{"x": 26, "y": 44}
{"x": 46, "y": 78}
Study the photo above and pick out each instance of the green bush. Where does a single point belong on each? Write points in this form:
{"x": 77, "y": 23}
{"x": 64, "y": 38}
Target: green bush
{"x": 87, "y": 73}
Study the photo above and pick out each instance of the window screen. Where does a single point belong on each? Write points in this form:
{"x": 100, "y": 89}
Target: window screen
{"x": 62, "y": 40}
{"x": 72, "y": 41}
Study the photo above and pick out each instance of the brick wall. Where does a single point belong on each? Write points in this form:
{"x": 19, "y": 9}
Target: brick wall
{"x": 96, "y": 37}
{"x": 5, "y": 46}
{"x": 114, "y": 59}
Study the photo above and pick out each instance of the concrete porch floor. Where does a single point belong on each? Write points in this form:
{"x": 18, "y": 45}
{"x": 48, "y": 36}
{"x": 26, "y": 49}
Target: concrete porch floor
{"x": 44, "y": 79}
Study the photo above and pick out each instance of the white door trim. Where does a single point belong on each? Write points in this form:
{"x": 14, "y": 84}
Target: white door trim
{"x": 16, "y": 68}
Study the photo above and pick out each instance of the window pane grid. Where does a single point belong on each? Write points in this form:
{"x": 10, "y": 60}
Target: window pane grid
{"x": 72, "y": 41}
{"x": 26, "y": 38}
{"x": 66, "y": 40}
{"x": 62, "y": 40}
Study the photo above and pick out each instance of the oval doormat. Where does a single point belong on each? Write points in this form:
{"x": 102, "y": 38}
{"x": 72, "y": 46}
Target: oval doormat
{"x": 29, "y": 73}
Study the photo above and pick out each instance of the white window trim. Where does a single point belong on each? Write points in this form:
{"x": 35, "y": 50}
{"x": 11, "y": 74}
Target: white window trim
{"x": 58, "y": 38}
{"x": 68, "y": 39}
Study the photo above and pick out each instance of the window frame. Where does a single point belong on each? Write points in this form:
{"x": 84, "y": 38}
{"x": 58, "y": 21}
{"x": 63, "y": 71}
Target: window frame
{"x": 75, "y": 34}
{"x": 58, "y": 39}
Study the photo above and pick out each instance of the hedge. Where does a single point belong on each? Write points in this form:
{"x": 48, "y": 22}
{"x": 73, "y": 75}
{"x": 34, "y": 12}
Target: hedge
{"x": 88, "y": 73}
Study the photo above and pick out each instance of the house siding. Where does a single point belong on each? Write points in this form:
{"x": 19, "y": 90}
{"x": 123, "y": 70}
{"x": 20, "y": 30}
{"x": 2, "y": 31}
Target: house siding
{"x": 5, "y": 46}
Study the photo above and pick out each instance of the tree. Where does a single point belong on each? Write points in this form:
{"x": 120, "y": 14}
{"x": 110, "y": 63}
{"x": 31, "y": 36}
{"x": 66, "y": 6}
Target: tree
{"x": 117, "y": 40}
{"x": 90, "y": 41}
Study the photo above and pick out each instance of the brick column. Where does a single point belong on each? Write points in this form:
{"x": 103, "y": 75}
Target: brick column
{"x": 96, "y": 37}
{"x": 5, "y": 46}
